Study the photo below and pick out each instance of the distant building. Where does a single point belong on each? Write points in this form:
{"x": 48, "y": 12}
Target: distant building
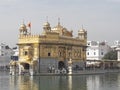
{"x": 96, "y": 50}
{"x": 5, "y": 50}
{"x": 5, "y": 55}
{"x": 15, "y": 56}
{"x": 115, "y": 45}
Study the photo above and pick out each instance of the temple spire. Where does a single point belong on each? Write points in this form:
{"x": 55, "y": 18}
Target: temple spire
{"x": 58, "y": 21}
{"x": 47, "y": 18}
{"x": 23, "y": 21}
{"x": 82, "y": 27}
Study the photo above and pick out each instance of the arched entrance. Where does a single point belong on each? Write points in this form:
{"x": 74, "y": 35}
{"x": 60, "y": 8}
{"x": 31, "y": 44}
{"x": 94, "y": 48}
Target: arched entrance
{"x": 26, "y": 65}
{"x": 61, "y": 65}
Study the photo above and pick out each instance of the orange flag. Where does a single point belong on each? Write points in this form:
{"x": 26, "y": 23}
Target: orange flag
{"x": 29, "y": 25}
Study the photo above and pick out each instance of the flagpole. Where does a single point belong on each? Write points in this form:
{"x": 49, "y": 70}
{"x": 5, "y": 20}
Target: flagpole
{"x": 30, "y": 30}
{"x": 29, "y": 25}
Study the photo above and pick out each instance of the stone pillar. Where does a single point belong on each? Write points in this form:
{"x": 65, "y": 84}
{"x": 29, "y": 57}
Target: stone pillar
{"x": 70, "y": 66}
{"x": 31, "y": 71}
{"x": 118, "y": 53}
{"x": 36, "y": 51}
{"x": 37, "y": 57}
{"x": 33, "y": 68}
{"x": 11, "y": 70}
{"x": 20, "y": 70}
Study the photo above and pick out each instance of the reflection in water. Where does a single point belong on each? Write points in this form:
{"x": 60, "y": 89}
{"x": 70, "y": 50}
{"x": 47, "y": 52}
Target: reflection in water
{"x": 82, "y": 82}
{"x": 13, "y": 82}
{"x": 70, "y": 82}
{"x": 111, "y": 82}
{"x": 27, "y": 83}
{"x": 47, "y": 83}
{"x": 93, "y": 82}
{"x": 79, "y": 82}
{"x": 22, "y": 83}
{"x": 103, "y": 82}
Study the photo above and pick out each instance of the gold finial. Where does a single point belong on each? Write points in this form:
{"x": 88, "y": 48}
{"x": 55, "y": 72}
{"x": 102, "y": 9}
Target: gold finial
{"x": 47, "y": 18}
{"x": 82, "y": 26}
{"x": 58, "y": 21}
{"x": 23, "y": 21}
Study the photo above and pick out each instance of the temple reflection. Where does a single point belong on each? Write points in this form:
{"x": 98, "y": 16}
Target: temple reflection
{"x": 82, "y": 82}
{"x": 23, "y": 83}
{"x": 93, "y": 82}
{"x": 69, "y": 82}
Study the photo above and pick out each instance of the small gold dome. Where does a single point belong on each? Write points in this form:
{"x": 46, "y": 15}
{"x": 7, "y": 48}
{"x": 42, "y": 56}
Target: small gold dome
{"x": 23, "y": 27}
{"x": 62, "y": 30}
{"x": 82, "y": 30}
{"x": 46, "y": 24}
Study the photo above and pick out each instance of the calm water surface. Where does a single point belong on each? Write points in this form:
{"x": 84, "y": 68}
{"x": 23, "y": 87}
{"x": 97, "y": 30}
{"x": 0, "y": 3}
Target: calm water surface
{"x": 82, "y": 82}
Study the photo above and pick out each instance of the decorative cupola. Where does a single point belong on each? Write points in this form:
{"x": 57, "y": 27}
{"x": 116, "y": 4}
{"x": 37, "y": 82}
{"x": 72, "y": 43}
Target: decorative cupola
{"x": 61, "y": 30}
{"x": 23, "y": 29}
{"x": 82, "y": 34}
{"x": 46, "y": 27}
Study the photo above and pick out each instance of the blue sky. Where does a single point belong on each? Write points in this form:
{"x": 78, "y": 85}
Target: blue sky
{"x": 101, "y": 18}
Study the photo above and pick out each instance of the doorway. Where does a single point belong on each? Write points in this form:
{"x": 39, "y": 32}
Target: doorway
{"x": 61, "y": 65}
{"x": 26, "y": 65}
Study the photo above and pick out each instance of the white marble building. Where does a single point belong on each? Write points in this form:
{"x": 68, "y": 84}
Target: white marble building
{"x": 116, "y": 46}
{"x": 5, "y": 54}
{"x": 96, "y": 50}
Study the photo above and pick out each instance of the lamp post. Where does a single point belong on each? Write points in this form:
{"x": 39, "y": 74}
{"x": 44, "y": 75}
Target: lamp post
{"x": 39, "y": 58}
{"x": 70, "y": 66}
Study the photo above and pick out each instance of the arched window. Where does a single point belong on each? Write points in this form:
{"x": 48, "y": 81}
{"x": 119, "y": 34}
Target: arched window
{"x": 49, "y": 54}
{"x": 25, "y": 53}
{"x": 60, "y": 54}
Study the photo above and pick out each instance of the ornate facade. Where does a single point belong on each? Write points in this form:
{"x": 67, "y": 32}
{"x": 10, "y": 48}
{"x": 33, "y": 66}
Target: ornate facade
{"x": 52, "y": 49}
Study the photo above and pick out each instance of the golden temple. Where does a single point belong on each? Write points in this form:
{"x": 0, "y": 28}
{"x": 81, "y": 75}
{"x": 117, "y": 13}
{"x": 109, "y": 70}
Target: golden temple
{"x": 51, "y": 50}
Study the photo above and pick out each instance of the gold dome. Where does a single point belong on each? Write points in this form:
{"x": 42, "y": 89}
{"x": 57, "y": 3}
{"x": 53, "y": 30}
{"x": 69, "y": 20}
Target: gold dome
{"x": 62, "y": 30}
{"x": 82, "y": 30}
{"x": 58, "y": 27}
{"x": 46, "y": 24}
{"x": 23, "y": 27}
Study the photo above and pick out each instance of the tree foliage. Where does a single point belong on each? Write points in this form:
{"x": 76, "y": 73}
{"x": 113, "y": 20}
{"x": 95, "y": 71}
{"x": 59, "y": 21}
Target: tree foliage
{"x": 112, "y": 55}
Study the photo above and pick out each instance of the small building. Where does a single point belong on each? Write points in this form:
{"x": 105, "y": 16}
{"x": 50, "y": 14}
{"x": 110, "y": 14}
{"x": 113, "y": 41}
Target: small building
{"x": 96, "y": 51}
{"x": 51, "y": 50}
{"x": 15, "y": 57}
{"x": 5, "y": 50}
{"x": 5, "y": 55}
{"x": 115, "y": 45}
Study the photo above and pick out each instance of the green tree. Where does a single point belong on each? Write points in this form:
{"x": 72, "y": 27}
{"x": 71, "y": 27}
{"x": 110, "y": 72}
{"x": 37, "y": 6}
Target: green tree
{"x": 112, "y": 55}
